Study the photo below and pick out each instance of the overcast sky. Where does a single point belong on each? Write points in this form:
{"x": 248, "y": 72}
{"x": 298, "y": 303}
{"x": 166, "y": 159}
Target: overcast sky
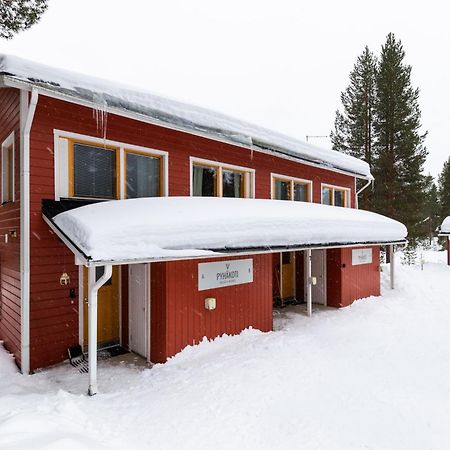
{"x": 280, "y": 64}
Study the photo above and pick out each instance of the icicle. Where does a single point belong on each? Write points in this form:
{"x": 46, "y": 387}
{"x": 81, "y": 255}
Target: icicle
{"x": 100, "y": 113}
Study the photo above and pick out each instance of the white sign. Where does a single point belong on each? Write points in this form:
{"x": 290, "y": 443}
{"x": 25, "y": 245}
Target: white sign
{"x": 224, "y": 273}
{"x": 361, "y": 256}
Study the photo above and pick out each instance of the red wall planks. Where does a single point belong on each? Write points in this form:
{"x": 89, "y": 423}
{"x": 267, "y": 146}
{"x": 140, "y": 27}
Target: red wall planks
{"x": 178, "y": 314}
{"x": 10, "y": 220}
{"x": 347, "y": 283}
{"x": 49, "y": 257}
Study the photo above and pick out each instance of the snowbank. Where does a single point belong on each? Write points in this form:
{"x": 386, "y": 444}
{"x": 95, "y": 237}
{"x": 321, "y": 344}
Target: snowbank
{"x": 372, "y": 376}
{"x": 147, "y": 228}
{"x": 445, "y": 227}
{"x": 105, "y": 94}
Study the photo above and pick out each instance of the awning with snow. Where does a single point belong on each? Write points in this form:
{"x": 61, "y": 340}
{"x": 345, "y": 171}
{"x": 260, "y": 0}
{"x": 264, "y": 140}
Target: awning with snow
{"x": 444, "y": 229}
{"x": 105, "y": 95}
{"x": 170, "y": 228}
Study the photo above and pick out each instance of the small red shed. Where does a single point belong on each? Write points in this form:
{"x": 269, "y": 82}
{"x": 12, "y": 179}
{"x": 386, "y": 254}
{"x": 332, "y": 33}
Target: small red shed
{"x": 74, "y": 145}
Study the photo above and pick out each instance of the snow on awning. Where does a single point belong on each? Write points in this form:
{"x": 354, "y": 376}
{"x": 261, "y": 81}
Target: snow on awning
{"x": 104, "y": 94}
{"x": 165, "y": 228}
{"x": 445, "y": 227}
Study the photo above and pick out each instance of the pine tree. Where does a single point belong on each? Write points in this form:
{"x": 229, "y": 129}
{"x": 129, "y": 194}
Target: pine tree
{"x": 409, "y": 254}
{"x": 430, "y": 210}
{"x": 444, "y": 191}
{"x": 399, "y": 153}
{"x": 19, "y": 15}
{"x": 353, "y": 128}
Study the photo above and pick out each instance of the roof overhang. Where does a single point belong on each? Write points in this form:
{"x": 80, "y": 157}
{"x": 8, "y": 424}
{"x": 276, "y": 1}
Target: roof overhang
{"x": 6, "y": 81}
{"x": 52, "y": 209}
{"x": 139, "y": 104}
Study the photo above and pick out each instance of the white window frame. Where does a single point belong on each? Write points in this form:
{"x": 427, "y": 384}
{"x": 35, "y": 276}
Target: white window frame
{"x": 249, "y": 174}
{"x": 61, "y": 160}
{"x": 292, "y": 181}
{"x": 6, "y": 144}
{"x": 333, "y": 187}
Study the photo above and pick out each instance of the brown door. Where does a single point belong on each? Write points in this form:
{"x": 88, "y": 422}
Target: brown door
{"x": 287, "y": 275}
{"x": 107, "y": 309}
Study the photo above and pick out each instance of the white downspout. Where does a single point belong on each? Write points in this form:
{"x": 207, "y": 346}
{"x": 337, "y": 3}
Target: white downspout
{"x": 94, "y": 286}
{"x": 308, "y": 282}
{"x": 27, "y": 115}
{"x": 392, "y": 265}
{"x": 369, "y": 182}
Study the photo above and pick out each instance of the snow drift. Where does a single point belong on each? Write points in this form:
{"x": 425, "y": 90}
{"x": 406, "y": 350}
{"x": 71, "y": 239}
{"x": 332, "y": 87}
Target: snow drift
{"x": 162, "y": 227}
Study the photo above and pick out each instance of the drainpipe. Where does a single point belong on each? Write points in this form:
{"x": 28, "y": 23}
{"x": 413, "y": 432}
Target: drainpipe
{"x": 94, "y": 286}
{"x": 392, "y": 265}
{"x": 308, "y": 282}
{"x": 27, "y": 114}
{"x": 369, "y": 182}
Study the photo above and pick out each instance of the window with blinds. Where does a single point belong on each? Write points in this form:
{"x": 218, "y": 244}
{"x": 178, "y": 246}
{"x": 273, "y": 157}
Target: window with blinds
{"x": 94, "y": 172}
{"x": 109, "y": 172}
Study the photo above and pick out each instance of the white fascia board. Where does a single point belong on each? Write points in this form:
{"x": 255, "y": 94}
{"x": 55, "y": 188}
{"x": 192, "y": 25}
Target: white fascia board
{"x": 92, "y": 263}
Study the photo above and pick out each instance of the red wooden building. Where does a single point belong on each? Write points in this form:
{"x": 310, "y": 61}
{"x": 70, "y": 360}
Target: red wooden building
{"x": 444, "y": 230}
{"x": 69, "y": 140}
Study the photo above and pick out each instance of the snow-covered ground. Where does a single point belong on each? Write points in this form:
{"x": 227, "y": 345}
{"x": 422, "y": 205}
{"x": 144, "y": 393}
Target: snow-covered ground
{"x": 375, "y": 375}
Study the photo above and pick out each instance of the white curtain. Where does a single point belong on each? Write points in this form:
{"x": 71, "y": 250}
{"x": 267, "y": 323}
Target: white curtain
{"x": 197, "y": 182}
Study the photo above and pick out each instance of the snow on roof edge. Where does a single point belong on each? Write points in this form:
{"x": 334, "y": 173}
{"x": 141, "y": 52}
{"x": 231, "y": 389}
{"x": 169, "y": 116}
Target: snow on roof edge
{"x": 104, "y": 93}
{"x": 189, "y": 227}
{"x": 445, "y": 226}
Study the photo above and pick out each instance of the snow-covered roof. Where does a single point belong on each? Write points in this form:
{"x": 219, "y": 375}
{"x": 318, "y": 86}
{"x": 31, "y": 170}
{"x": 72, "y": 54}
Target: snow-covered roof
{"x": 104, "y": 94}
{"x": 149, "y": 229}
{"x": 445, "y": 227}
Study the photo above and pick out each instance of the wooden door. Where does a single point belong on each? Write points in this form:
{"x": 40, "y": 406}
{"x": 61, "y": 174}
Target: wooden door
{"x": 287, "y": 275}
{"x": 108, "y": 330}
{"x": 138, "y": 295}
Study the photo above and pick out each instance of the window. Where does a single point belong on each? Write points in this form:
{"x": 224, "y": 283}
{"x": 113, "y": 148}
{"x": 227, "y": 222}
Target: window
{"x": 300, "y": 192}
{"x": 327, "y": 196}
{"x": 286, "y": 188}
{"x": 211, "y": 179}
{"x": 232, "y": 184}
{"x": 204, "y": 181}
{"x": 93, "y": 168}
{"x": 143, "y": 175}
{"x": 282, "y": 190}
{"x": 8, "y": 169}
{"x": 94, "y": 171}
{"x": 335, "y": 196}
